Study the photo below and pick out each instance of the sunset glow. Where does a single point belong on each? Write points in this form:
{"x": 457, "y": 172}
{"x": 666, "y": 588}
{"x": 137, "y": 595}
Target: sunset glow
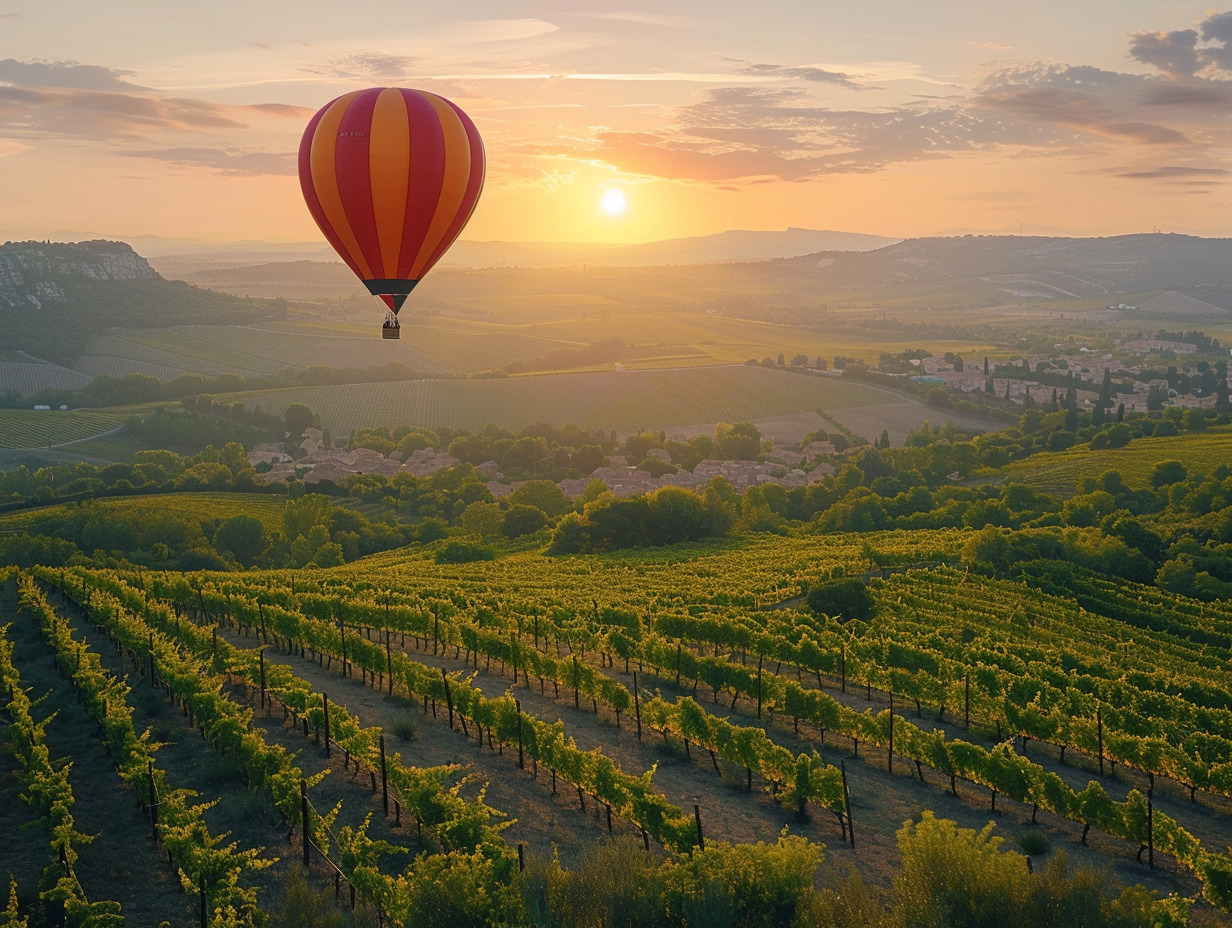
{"x": 122, "y": 120}
{"x": 614, "y": 203}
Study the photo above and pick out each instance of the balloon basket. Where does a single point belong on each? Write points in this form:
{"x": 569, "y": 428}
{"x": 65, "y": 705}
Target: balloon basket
{"x": 391, "y": 328}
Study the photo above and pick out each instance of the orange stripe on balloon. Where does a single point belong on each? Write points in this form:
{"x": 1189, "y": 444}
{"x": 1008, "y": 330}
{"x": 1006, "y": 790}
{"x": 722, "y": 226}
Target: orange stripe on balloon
{"x": 322, "y": 159}
{"x": 388, "y": 158}
{"x": 453, "y": 183}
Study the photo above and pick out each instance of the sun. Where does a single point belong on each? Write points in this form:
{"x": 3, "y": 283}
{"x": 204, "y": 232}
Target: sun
{"x": 613, "y": 202}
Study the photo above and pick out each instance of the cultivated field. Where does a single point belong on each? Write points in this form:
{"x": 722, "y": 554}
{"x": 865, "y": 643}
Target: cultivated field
{"x": 1062, "y": 471}
{"x": 28, "y": 375}
{"x": 623, "y": 401}
{"x": 220, "y": 506}
{"x": 38, "y": 428}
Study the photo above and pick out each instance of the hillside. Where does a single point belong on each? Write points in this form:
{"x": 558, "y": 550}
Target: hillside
{"x": 54, "y": 298}
{"x": 1035, "y": 267}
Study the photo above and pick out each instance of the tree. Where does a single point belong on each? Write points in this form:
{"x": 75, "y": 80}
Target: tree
{"x": 243, "y": 537}
{"x": 1166, "y": 473}
{"x": 544, "y": 495}
{"x": 300, "y": 515}
{"x": 738, "y": 442}
{"x": 521, "y": 519}
{"x": 299, "y": 417}
{"x": 844, "y": 599}
{"x": 484, "y": 519}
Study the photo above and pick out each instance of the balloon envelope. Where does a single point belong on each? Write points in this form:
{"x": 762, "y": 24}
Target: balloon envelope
{"x": 391, "y": 176}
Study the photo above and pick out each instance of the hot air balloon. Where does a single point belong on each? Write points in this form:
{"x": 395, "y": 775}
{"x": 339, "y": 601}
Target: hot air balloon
{"x": 391, "y": 176}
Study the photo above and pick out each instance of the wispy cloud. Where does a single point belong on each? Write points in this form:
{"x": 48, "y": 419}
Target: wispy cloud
{"x": 63, "y": 74}
{"x": 1175, "y": 173}
{"x": 807, "y": 73}
{"x": 640, "y": 17}
{"x": 79, "y": 113}
{"x": 241, "y": 164}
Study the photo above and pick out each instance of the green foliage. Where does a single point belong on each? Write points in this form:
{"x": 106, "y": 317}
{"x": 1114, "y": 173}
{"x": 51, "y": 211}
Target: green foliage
{"x": 461, "y": 552}
{"x": 846, "y": 598}
{"x": 243, "y": 537}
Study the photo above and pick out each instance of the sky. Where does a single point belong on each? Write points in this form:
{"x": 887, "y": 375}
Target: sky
{"x": 894, "y": 117}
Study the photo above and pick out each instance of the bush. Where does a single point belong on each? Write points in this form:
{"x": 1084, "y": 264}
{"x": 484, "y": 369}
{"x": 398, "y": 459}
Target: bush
{"x": 405, "y": 730}
{"x": 843, "y": 599}
{"x": 1033, "y": 843}
{"x": 461, "y": 552}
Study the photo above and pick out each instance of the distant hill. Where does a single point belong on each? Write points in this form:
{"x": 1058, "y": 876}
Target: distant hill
{"x": 183, "y": 259}
{"x": 1037, "y": 268}
{"x": 55, "y": 297}
{"x": 734, "y": 245}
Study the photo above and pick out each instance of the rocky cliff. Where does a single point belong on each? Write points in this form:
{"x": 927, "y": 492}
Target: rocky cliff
{"x": 32, "y": 273}
{"x": 55, "y": 297}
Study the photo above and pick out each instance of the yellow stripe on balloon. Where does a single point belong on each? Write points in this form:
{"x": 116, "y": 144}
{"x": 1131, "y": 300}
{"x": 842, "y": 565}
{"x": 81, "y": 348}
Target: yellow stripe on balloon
{"x": 388, "y": 156}
{"x": 453, "y": 184}
{"x": 321, "y": 159}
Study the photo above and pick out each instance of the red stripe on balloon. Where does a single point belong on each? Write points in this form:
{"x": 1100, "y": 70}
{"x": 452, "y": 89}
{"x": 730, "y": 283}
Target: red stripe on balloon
{"x": 308, "y": 186}
{"x": 427, "y": 169}
{"x": 351, "y": 169}
{"x": 474, "y": 186}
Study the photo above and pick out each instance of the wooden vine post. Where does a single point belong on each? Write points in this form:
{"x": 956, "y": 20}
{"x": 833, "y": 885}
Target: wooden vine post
{"x": 851, "y": 828}
{"x": 448, "y": 697}
{"x": 325, "y": 705}
{"x": 637, "y": 707}
{"x": 1099, "y": 733}
{"x": 517, "y": 704}
{"x": 890, "y": 751}
{"x": 760, "y": 658}
{"x": 303, "y": 811}
{"x": 384, "y": 777}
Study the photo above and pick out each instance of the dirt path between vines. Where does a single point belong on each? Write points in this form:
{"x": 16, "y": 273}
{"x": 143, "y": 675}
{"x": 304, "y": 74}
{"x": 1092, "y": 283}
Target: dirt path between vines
{"x": 248, "y": 818}
{"x": 881, "y": 800}
{"x": 122, "y": 863}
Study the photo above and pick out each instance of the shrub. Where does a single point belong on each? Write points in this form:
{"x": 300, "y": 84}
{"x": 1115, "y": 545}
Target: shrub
{"x": 461, "y": 552}
{"x": 843, "y": 599}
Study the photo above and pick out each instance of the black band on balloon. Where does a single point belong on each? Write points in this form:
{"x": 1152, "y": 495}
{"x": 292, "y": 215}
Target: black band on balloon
{"x": 391, "y": 287}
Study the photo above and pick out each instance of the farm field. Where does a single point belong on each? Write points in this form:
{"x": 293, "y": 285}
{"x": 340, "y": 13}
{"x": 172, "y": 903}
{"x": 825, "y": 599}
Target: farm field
{"x": 440, "y": 343}
{"x": 220, "y": 506}
{"x": 693, "y": 620}
{"x": 38, "y": 428}
{"x": 1062, "y": 471}
{"x": 28, "y": 375}
{"x": 624, "y": 401}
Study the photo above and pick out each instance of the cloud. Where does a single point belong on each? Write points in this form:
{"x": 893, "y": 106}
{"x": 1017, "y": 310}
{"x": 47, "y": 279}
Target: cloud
{"x": 816, "y": 75}
{"x": 365, "y": 66}
{"x": 739, "y": 134}
{"x": 1218, "y": 29}
{"x": 1178, "y": 53}
{"x": 1174, "y": 173}
{"x": 68, "y": 74}
{"x": 1174, "y": 53}
{"x": 643, "y": 18}
{"x": 73, "y": 113}
{"x": 241, "y": 164}
{"x": 1088, "y": 100}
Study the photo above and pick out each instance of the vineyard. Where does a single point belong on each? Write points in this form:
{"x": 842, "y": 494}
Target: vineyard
{"x": 38, "y": 428}
{"x": 625, "y": 401}
{"x": 1062, "y": 471}
{"x": 682, "y": 699}
{"x": 27, "y": 376}
{"x": 220, "y": 506}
